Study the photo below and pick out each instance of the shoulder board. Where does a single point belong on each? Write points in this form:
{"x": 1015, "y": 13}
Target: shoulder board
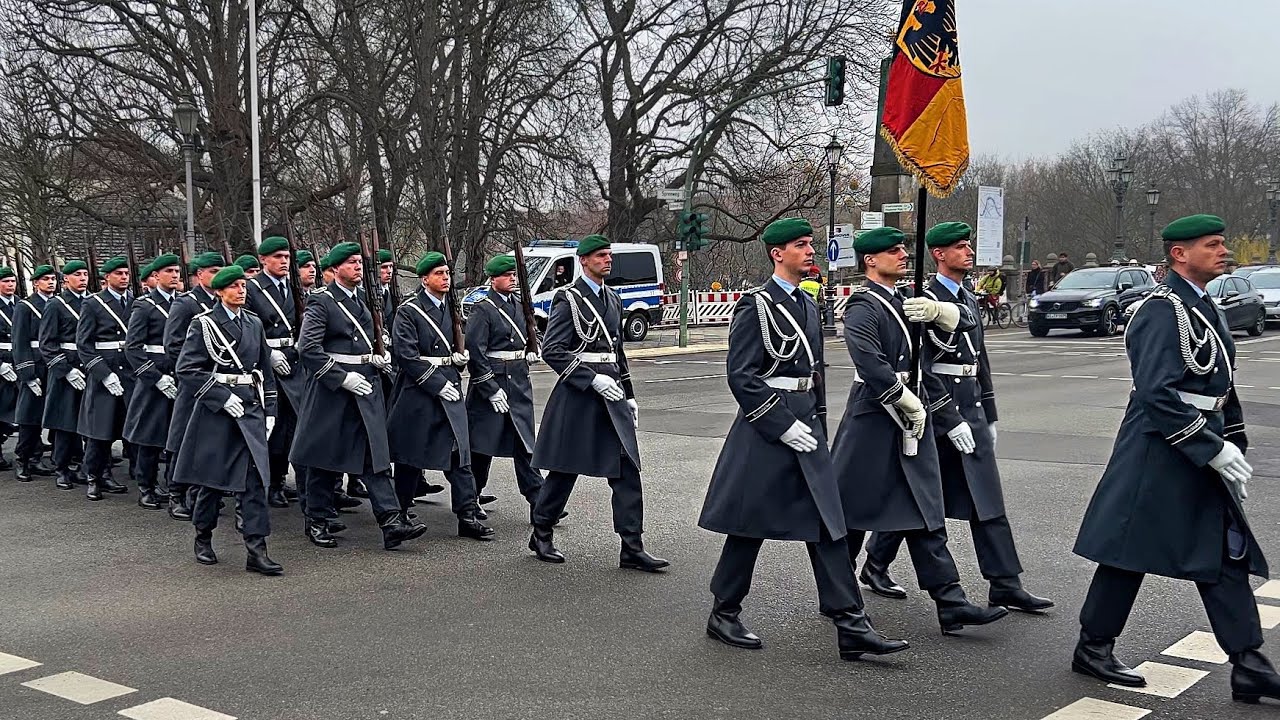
{"x": 756, "y": 291}
{"x": 202, "y": 314}
{"x": 861, "y": 289}
{"x": 1161, "y": 291}
{"x": 248, "y": 312}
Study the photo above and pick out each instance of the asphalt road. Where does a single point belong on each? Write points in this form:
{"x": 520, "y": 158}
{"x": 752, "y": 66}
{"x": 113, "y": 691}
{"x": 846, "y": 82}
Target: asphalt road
{"x": 452, "y": 628}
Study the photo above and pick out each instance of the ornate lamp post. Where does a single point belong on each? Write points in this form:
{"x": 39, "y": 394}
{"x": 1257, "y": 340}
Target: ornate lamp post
{"x": 186, "y": 117}
{"x": 1119, "y": 175}
{"x": 1273, "y": 230}
{"x": 833, "y": 152}
{"x": 1153, "y": 199}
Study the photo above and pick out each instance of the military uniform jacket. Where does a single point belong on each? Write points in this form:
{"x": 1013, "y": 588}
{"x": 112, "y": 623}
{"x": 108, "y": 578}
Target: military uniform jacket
{"x": 337, "y": 430}
{"x": 970, "y": 483}
{"x": 496, "y": 324}
{"x": 760, "y": 487}
{"x": 28, "y": 362}
{"x": 582, "y": 433}
{"x": 1159, "y": 508}
{"x": 881, "y": 488}
{"x": 181, "y": 314}
{"x": 422, "y": 429}
{"x": 147, "y": 420}
{"x": 8, "y": 390}
{"x": 58, "y": 346}
{"x": 216, "y": 347}
{"x": 266, "y": 301}
{"x": 100, "y": 338}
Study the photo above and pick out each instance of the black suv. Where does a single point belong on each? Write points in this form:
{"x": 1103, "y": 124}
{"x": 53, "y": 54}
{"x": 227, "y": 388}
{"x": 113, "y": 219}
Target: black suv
{"x": 1092, "y": 300}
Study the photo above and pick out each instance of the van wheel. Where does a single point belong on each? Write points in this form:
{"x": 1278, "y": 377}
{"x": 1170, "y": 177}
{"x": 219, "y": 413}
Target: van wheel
{"x": 637, "y": 327}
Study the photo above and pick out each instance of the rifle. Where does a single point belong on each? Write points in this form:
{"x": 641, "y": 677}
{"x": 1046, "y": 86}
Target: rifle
{"x": 371, "y": 294}
{"x": 459, "y": 340}
{"x": 135, "y": 281}
{"x": 18, "y": 269}
{"x": 186, "y": 270}
{"x": 526, "y": 300}
{"x": 295, "y": 280}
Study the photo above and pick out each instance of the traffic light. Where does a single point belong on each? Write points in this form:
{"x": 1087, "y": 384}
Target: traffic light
{"x": 692, "y": 231}
{"x": 835, "y": 80}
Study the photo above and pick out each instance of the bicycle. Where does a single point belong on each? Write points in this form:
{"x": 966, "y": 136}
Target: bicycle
{"x": 1020, "y": 311}
{"x": 999, "y": 315}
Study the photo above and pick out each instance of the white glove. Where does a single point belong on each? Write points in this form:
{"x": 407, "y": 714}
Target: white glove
{"x": 279, "y": 363}
{"x": 112, "y": 384}
{"x": 6, "y": 372}
{"x": 635, "y": 412}
{"x": 271, "y": 424}
{"x": 993, "y": 434}
{"x": 800, "y": 438}
{"x": 76, "y": 378}
{"x": 962, "y": 437}
{"x": 922, "y": 309}
{"x": 167, "y": 386}
{"x": 382, "y": 362}
{"x": 1230, "y": 464}
{"x": 356, "y": 384}
{"x": 532, "y": 358}
{"x": 461, "y": 358}
{"x": 499, "y": 401}
{"x": 608, "y": 388}
{"x": 234, "y": 406}
{"x": 34, "y": 387}
{"x": 449, "y": 393}
{"x": 913, "y": 409}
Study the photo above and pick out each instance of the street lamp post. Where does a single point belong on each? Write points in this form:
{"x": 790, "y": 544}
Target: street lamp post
{"x": 1119, "y": 175}
{"x": 833, "y": 152}
{"x": 185, "y": 118}
{"x": 1153, "y": 199}
{"x": 1273, "y": 230}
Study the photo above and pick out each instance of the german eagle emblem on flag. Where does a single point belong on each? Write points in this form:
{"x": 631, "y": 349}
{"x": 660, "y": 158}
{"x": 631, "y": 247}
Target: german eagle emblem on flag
{"x": 924, "y": 117}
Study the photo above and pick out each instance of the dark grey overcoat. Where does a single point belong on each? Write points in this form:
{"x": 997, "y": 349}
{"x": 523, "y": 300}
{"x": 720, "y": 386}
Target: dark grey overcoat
{"x": 58, "y": 346}
{"x": 28, "y": 361}
{"x": 147, "y": 421}
{"x": 423, "y": 429}
{"x": 496, "y": 324}
{"x": 103, "y": 319}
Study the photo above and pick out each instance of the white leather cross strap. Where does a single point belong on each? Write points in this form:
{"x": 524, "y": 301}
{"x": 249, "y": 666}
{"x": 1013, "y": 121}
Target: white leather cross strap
{"x": 111, "y": 312}
{"x": 589, "y": 357}
{"x": 352, "y": 318}
{"x": 956, "y": 370}
{"x": 600, "y": 319}
{"x": 432, "y": 323}
{"x": 274, "y": 305}
{"x": 512, "y": 323}
{"x": 808, "y": 351}
{"x": 790, "y": 384}
{"x": 29, "y": 304}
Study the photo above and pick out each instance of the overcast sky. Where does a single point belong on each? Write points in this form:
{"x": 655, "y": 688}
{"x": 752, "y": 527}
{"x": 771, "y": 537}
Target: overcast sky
{"x": 1040, "y": 73}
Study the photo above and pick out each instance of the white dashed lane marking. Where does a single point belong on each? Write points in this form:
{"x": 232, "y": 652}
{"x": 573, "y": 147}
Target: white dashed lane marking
{"x": 171, "y": 709}
{"x": 1168, "y": 681}
{"x": 1199, "y": 645}
{"x": 1094, "y": 709}
{"x": 13, "y": 663}
{"x": 78, "y": 687}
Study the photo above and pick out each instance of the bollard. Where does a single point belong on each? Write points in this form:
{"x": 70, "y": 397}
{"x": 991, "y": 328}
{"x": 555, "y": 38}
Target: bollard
{"x": 1090, "y": 260}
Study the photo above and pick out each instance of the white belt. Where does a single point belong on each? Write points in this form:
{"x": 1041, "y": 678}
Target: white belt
{"x": 283, "y": 342}
{"x": 109, "y": 345}
{"x": 508, "y": 355}
{"x": 35, "y": 344}
{"x": 68, "y": 346}
{"x": 956, "y": 370}
{"x": 154, "y": 349}
{"x": 351, "y": 359}
{"x": 233, "y": 379}
{"x": 6, "y": 346}
{"x": 790, "y": 384}
{"x": 436, "y": 361}
{"x": 598, "y": 357}
{"x": 1203, "y": 402}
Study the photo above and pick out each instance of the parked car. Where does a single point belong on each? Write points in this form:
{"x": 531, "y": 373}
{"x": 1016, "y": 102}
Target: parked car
{"x": 1240, "y": 302}
{"x": 1092, "y": 300}
{"x": 1245, "y": 271}
{"x": 1267, "y": 283}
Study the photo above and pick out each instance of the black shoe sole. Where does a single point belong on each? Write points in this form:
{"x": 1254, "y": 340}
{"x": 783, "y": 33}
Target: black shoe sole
{"x": 477, "y": 536}
{"x": 655, "y": 569}
{"x": 714, "y": 635}
{"x": 1085, "y": 670}
{"x": 855, "y": 655}
{"x": 207, "y": 561}
{"x": 553, "y": 559}
{"x": 895, "y": 594}
{"x": 273, "y": 572}
{"x": 67, "y": 488}
{"x": 1026, "y": 610}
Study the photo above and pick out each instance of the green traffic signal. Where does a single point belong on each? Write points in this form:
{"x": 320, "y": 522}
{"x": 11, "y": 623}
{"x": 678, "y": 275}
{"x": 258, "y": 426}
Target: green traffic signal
{"x": 692, "y": 231}
{"x": 835, "y": 80}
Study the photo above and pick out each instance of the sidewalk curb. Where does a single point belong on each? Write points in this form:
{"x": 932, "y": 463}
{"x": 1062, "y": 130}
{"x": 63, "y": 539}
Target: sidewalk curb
{"x": 664, "y": 351}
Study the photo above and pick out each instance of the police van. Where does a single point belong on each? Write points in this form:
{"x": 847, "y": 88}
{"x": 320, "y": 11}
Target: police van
{"x": 636, "y": 276}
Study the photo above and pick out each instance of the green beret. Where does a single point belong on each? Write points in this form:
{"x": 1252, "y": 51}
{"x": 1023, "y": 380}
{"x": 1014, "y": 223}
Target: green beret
{"x": 162, "y": 262}
{"x": 500, "y": 265}
{"x": 592, "y": 243}
{"x": 272, "y": 245}
{"x": 341, "y": 252}
{"x": 781, "y": 232}
{"x": 878, "y": 240}
{"x": 41, "y": 271}
{"x": 226, "y": 276}
{"x": 429, "y": 262}
{"x": 145, "y": 271}
{"x": 113, "y": 264}
{"x": 304, "y": 257}
{"x": 324, "y": 262}
{"x": 1192, "y": 227}
{"x": 248, "y": 262}
{"x": 206, "y": 260}
{"x": 947, "y": 233}
{"x": 384, "y": 256}
{"x": 6, "y": 272}
{"x": 74, "y": 266}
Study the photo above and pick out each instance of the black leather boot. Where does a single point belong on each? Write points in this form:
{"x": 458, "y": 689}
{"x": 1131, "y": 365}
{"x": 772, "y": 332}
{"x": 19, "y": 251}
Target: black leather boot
{"x": 23, "y": 473}
{"x": 290, "y": 493}
{"x": 256, "y": 559}
{"x": 65, "y": 481}
{"x": 724, "y": 625}
{"x": 1253, "y": 677}
{"x": 204, "y": 548}
{"x": 955, "y": 612}
{"x": 93, "y": 491}
{"x": 318, "y": 534}
{"x": 1008, "y": 593}
{"x": 634, "y": 557}
{"x": 356, "y": 488}
{"x": 178, "y": 509}
{"x": 1096, "y": 658}
{"x": 542, "y": 543}
{"x": 335, "y": 526}
{"x": 344, "y": 502}
{"x": 878, "y": 581}
{"x": 486, "y": 499}
{"x": 855, "y": 636}
{"x": 469, "y": 526}
{"x": 396, "y": 529}
{"x": 42, "y": 468}
{"x": 276, "y": 497}
{"x": 426, "y": 488}
{"x": 147, "y": 499}
{"x": 108, "y": 485}
{"x": 160, "y": 493}
{"x": 481, "y": 514}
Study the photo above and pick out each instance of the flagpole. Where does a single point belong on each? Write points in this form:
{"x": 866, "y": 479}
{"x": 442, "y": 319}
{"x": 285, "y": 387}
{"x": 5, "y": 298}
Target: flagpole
{"x": 253, "y": 124}
{"x": 917, "y": 329}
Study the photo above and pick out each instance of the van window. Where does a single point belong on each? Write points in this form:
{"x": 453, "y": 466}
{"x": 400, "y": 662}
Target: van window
{"x": 633, "y": 268}
{"x": 561, "y": 275}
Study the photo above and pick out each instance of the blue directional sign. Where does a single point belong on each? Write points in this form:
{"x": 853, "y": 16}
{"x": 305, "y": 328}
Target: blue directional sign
{"x": 833, "y": 251}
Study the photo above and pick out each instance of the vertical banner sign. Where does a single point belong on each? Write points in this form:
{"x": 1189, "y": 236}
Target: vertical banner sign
{"x": 990, "y": 226}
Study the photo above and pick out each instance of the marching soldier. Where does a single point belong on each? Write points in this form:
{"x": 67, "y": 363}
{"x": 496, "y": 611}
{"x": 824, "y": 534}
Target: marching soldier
{"x": 30, "y": 366}
{"x": 8, "y": 375}
{"x": 326, "y": 273}
{"x": 250, "y": 265}
{"x": 66, "y": 377}
{"x": 884, "y": 451}
{"x": 386, "y": 273}
{"x": 589, "y": 424}
{"x": 774, "y": 478}
{"x": 1171, "y": 501}
{"x": 100, "y": 341}
{"x": 345, "y": 419}
{"x": 500, "y": 395}
{"x": 204, "y": 268}
{"x": 306, "y": 270}
{"x": 427, "y": 426}
{"x": 150, "y": 407}
{"x": 963, "y": 405}
{"x": 225, "y": 366}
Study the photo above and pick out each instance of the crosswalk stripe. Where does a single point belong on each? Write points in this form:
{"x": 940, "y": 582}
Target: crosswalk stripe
{"x": 1270, "y": 588}
{"x": 78, "y": 687}
{"x": 13, "y": 663}
{"x": 1094, "y": 709}
{"x": 1168, "y": 681}
{"x": 1199, "y": 645}
{"x": 171, "y": 709}
{"x": 1269, "y": 615}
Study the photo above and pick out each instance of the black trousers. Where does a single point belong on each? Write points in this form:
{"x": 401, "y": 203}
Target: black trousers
{"x": 97, "y": 457}
{"x": 935, "y": 568}
{"x": 628, "y": 499}
{"x": 462, "y": 485}
{"x": 320, "y": 486}
{"x": 252, "y": 503}
{"x": 67, "y": 449}
{"x": 281, "y": 440}
{"x": 1229, "y": 603}
{"x": 29, "y": 447}
{"x": 144, "y": 466}
{"x": 837, "y": 589}
{"x": 992, "y": 542}
{"x": 527, "y": 479}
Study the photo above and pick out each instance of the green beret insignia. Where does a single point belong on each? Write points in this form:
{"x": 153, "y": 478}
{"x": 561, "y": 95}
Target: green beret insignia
{"x": 947, "y": 233}
{"x": 592, "y": 243}
{"x": 500, "y": 265}
{"x": 783, "y": 231}
{"x": 226, "y": 276}
{"x": 429, "y": 262}
{"x": 1192, "y": 227}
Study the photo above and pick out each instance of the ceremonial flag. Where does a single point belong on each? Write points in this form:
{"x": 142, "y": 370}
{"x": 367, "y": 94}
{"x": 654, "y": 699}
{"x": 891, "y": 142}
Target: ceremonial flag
{"x": 924, "y": 117}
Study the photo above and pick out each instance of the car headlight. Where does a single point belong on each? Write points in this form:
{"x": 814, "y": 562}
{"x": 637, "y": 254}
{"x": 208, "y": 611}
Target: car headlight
{"x": 1033, "y": 303}
{"x": 1096, "y": 302}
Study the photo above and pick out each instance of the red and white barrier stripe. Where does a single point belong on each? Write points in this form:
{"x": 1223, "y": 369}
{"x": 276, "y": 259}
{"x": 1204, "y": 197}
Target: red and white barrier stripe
{"x": 716, "y": 308}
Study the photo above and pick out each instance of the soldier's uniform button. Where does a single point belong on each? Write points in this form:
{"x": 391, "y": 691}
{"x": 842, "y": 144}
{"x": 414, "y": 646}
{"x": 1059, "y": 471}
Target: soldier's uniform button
{"x": 977, "y": 404}
{"x": 957, "y": 381}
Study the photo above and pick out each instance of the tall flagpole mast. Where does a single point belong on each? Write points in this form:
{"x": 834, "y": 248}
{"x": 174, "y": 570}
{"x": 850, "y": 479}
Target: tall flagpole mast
{"x": 253, "y": 124}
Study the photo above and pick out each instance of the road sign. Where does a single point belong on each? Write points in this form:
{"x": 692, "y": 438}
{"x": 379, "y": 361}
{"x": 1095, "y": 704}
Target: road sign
{"x": 675, "y": 204}
{"x": 990, "y": 226}
{"x": 833, "y": 251}
{"x": 840, "y": 248}
{"x": 872, "y": 220}
{"x": 671, "y": 194}
{"x": 898, "y": 207}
